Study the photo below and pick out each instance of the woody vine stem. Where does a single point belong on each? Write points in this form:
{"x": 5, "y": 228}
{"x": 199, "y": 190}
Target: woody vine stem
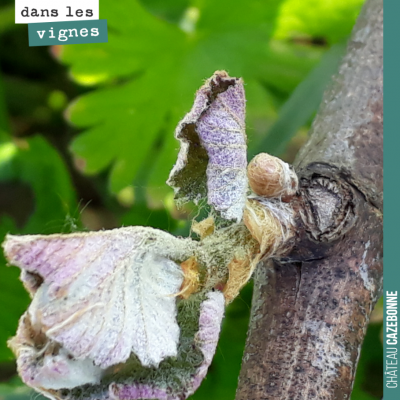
{"x": 311, "y": 306}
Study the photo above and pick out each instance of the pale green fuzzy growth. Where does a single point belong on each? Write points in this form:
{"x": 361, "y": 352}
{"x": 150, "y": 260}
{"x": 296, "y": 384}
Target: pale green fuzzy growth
{"x": 218, "y": 250}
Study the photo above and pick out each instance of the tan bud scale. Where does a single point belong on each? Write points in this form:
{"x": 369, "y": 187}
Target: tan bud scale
{"x": 271, "y": 177}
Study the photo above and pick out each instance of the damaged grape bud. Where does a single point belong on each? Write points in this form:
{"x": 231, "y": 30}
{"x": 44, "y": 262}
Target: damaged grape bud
{"x": 271, "y": 177}
{"x": 271, "y": 223}
{"x": 135, "y": 313}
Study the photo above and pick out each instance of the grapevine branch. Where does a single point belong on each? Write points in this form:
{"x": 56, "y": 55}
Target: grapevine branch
{"x": 311, "y": 307}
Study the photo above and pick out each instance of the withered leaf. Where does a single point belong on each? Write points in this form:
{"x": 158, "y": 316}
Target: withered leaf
{"x": 105, "y": 294}
{"x": 213, "y": 156}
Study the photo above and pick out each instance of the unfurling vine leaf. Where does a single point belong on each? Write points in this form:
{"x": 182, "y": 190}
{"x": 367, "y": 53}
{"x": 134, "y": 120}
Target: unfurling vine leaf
{"x": 213, "y": 156}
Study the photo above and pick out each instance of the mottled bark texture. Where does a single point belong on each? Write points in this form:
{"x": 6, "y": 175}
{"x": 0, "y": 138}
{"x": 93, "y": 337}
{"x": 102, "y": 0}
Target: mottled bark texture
{"x": 310, "y": 310}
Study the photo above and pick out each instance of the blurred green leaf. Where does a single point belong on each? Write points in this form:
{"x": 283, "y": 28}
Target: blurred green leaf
{"x": 149, "y": 71}
{"x": 4, "y": 125}
{"x": 16, "y": 390}
{"x": 328, "y": 20}
{"x": 285, "y": 66}
{"x": 170, "y": 10}
{"x": 7, "y": 18}
{"x": 152, "y": 65}
{"x": 143, "y": 216}
{"x": 368, "y": 384}
{"x": 38, "y": 165}
{"x": 12, "y": 294}
{"x": 301, "y": 105}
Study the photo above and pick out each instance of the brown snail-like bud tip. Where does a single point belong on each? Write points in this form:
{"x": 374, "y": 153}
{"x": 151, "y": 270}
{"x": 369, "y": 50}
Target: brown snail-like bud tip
{"x": 271, "y": 177}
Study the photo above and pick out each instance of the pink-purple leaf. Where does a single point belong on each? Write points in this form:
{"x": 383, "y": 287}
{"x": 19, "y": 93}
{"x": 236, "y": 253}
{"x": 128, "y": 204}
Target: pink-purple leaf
{"x": 213, "y": 156}
{"x": 206, "y": 339}
{"x": 105, "y": 294}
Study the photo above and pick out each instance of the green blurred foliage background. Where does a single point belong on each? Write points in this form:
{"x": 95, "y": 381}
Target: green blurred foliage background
{"x": 86, "y": 131}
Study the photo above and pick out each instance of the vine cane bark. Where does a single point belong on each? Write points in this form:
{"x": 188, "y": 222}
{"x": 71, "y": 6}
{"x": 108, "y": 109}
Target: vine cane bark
{"x": 310, "y": 310}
